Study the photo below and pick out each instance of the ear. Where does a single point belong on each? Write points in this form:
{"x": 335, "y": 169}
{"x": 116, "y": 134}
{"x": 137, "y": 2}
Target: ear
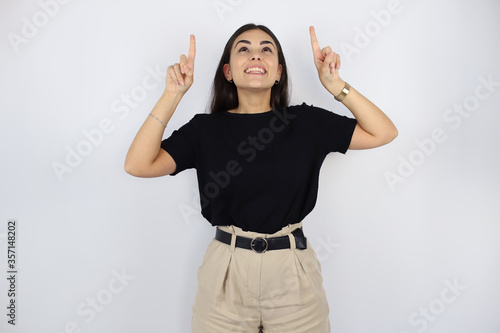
{"x": 227, "y": 72}
{"x": 280, "y": 69}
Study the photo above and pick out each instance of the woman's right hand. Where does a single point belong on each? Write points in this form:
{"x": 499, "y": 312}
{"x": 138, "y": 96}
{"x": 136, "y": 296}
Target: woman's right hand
{"x": 180, "y": 75}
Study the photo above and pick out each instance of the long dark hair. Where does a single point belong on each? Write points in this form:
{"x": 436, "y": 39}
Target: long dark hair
{"x": 224, "y": 95}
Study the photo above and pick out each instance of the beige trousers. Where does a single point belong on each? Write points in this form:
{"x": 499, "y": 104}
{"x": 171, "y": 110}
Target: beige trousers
{"x": 278, "y": 291}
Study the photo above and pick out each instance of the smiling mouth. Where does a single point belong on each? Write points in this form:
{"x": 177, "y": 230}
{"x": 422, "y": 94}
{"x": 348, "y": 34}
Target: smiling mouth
{"x": 255, "y": 70}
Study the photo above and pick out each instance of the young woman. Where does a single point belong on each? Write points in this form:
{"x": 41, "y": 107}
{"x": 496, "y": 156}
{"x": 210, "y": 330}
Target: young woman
{"x": 257, "y": 161}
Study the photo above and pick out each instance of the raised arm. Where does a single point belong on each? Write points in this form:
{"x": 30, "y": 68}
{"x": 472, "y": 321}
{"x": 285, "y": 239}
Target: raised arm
{"x": 145, "y": 158}
{"x": 374, "y": 128}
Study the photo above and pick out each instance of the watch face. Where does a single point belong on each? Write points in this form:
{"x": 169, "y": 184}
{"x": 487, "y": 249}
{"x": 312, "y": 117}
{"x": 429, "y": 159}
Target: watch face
{"x": 343, "y": 93}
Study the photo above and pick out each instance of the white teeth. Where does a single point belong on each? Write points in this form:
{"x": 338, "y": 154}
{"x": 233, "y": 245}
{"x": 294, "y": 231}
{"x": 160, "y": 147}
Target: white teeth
{"x": 255, "y": 70}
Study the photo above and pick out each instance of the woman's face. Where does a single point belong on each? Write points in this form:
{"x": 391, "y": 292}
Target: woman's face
{"x": 253, "y": 61}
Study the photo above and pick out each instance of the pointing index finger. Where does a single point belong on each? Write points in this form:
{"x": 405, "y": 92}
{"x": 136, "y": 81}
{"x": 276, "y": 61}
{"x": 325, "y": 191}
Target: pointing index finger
{"x": 192, "y": 50}
{"x": 314, "y": 41}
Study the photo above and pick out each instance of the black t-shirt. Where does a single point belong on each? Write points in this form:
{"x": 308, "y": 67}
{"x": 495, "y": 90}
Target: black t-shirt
{"x": 259, "y": 171}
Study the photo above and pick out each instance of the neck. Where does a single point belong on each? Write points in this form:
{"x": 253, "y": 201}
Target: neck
{"x": 253, "y": 101}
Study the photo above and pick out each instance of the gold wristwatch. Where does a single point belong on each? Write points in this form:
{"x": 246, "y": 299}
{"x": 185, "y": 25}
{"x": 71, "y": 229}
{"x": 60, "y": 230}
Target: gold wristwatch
{"x": 343, "y": 93}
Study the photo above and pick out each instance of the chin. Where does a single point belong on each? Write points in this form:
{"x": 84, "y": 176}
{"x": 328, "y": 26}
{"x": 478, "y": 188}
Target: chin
{"x": 258, "y": 85}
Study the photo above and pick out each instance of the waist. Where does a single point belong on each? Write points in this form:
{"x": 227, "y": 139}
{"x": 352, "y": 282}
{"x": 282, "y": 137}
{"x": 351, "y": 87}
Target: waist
{"x": 261, "y": 243}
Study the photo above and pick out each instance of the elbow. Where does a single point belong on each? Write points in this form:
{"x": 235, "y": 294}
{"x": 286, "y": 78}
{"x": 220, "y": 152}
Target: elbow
{"x": 141, "y": 170}
{"x": 394, "y": 134}
{"x": 388, "y": 137}
{"x": 129, "y": 169}
{"x": 128, "y": 165}
{"x": 132, "y": 169}
{"x": 390, "y": 132}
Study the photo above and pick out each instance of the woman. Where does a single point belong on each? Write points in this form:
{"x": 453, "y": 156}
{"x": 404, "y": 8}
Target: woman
{"x": 257, "y": 162}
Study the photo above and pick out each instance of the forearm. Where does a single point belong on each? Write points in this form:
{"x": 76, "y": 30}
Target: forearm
{"x": 146, "y": 144}
{"x": 369, "y": 116}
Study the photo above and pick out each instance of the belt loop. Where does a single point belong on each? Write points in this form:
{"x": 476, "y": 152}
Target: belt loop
{"x": 233, "y": 239}
{"x": 233, "y": 242}
{"x": 293, "y": 246}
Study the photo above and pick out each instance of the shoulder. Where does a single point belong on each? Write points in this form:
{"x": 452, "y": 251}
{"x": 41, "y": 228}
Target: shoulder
{"x": 199, "y": 118}
{"x": 204, "y": 121}
{"x": 308, "y": 111}
{"x": 304, "y": 107}
{"x": 315, "y": 111}
{"x": 319, "y": 117}
{"x": 207, "y": 116}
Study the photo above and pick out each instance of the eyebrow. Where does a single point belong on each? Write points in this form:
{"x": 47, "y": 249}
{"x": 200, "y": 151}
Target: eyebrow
{"x": 248, "y": 42}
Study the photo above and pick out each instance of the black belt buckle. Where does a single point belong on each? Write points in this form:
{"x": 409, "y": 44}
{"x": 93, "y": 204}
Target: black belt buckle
{"x": 259, "y": 245}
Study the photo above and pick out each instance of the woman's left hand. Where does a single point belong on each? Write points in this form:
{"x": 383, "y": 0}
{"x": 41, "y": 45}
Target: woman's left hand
{"x": 327, "y": 63}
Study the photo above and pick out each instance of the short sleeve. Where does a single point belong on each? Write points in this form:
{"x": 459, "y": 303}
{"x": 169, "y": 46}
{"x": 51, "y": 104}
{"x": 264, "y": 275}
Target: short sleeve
{"x": 181, "y": 146}
{"x": 333, "y": 131}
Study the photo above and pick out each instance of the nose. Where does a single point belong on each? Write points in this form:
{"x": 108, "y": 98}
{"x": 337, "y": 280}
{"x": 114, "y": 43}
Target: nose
{"x": 256, "y": 55}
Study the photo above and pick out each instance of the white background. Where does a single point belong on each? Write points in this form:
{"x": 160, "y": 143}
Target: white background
{"x": 388, "y": 250}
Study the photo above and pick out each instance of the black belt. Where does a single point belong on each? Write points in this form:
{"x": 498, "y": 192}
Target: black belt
{"x": 260, "y": 245}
